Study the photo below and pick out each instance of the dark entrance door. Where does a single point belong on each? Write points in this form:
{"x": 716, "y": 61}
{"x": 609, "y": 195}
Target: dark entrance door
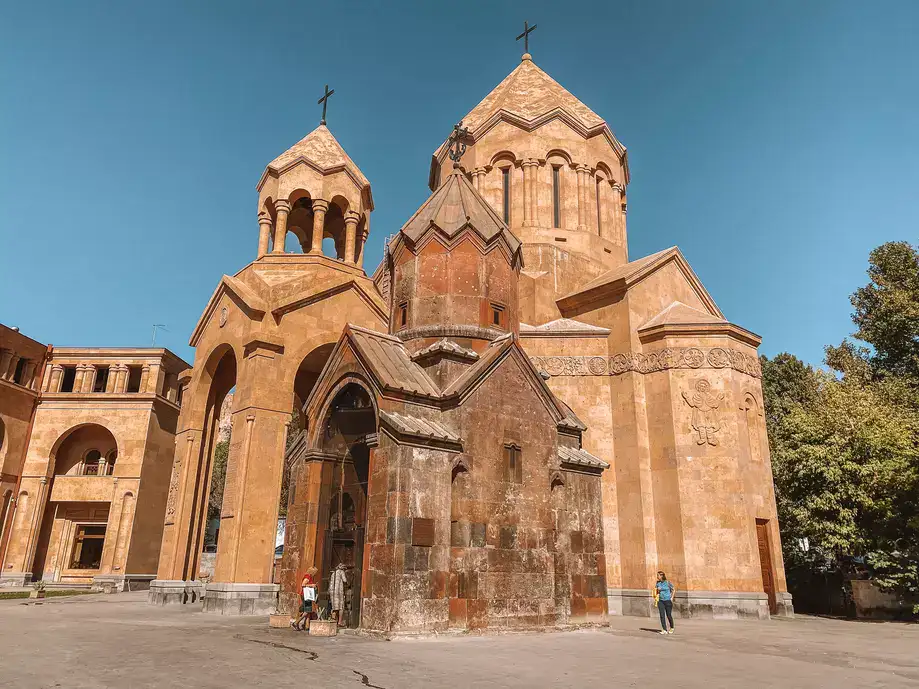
{"x": 765, "y": 562}
{"x": 344, "y": 546}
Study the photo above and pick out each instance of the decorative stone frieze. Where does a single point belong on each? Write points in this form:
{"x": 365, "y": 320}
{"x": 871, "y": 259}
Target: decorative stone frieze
{"x": 649, "y": 362}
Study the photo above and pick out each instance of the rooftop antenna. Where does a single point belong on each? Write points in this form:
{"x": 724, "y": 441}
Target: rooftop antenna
{"x": 156, "y": 326}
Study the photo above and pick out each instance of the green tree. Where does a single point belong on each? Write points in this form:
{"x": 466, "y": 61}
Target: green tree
{"x": 845, "y": 447}
{"x": 218, "y": 479}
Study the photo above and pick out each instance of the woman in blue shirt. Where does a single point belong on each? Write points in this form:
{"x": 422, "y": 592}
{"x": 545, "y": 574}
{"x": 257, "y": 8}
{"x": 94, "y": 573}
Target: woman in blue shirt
{"x": 663, "y": 596}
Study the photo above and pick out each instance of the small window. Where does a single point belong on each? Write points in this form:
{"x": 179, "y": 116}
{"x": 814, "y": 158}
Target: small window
{"x": 599, "y": 215}
{"x": 179, "y": 390}
{"x": 101, "y": 379}
{"x": 19, "y": 373}
{"x": 87, "y": 546}
{"x": 134, "y": 375}
{"x": 506, "y": 186}
{"x": 110, "y": 462}
{"x": 556, "y": 198}
{"x": 513, "y": 463}
{"x": 496, "y": 315}
{"x": 92, "y": 464}
{"x": 403, "y": 314}
{"x": 70, "y": 374}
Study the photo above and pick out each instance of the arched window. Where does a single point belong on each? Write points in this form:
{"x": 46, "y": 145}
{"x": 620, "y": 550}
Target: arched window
{"x": 110, "y": 462}
{"x": 599, "y": 214}
{"x": 91, "y": 464}
{"x": 751, "y": 418}
{"x": 506, "y": 191}
{"x": 556, "y": 197}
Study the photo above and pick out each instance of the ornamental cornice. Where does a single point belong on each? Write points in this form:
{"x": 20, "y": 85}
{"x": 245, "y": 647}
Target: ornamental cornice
{"x": 650, "y": 362}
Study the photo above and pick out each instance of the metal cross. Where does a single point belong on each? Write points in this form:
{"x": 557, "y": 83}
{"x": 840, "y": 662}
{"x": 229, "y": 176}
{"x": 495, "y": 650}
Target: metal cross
{"x": 526, "y": 36}
{"x": 324, "y": 101}
{"x": 457, "y": 147}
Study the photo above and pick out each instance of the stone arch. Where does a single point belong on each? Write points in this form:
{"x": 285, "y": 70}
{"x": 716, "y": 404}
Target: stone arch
{"x": 80, "y": 443}
{"x": 307, "y": 374}
{"x": 300, "y": 218}
{"x": 334, "y": 228}
{"x": 558, "y": 156}
{"x": 338, "y": 425}
{"x": 500, "y": 188}
{"x": 217, "y": 380}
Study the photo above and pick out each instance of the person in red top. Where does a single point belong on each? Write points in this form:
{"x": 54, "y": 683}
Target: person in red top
{"x": 307, "y": 600}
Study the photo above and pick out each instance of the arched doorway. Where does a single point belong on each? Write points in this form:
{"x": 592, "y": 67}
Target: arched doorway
{"x": 74, "y": 529}
{"x": 346, "y": 434}
{"x": 210, "y": 489}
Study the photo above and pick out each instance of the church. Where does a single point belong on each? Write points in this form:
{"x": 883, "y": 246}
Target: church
{"x": 509, "y": 424}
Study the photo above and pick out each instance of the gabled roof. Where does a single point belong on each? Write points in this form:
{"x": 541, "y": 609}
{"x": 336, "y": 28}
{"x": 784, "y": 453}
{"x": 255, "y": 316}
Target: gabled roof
{"x": 404, "y": 424}
{"x": 455, "y": 206}
{"x": 387, "y": 358}
{"x": 680, "y": 313}
{"x": 679, "y": 319}
{"x": 244, "y": 297}
{"x": 577, "y": 457}
{"x": 448, "y": 347}
{"x": 621, "y": 278}
{"x": 563, "y": 327}
{"x": 323, "y": 150}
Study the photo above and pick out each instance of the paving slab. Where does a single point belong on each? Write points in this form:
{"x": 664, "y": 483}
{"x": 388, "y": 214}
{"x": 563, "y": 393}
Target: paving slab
{"x": 91, "y": 642}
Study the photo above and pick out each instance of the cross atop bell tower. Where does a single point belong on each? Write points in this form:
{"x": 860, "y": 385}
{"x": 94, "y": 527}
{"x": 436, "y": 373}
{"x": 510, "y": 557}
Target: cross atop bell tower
{"x": 527, "y": 30}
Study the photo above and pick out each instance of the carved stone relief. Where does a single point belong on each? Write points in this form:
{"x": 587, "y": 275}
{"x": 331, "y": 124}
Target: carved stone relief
{"x": 704, "y": 404}
{"x": 640, "y": 362}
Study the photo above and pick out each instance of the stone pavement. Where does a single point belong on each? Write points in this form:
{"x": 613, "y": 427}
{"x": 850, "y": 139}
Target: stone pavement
{"x": 120, "y": 641}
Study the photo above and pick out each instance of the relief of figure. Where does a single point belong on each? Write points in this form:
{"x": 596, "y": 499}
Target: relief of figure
{"x": 704, "y": 404}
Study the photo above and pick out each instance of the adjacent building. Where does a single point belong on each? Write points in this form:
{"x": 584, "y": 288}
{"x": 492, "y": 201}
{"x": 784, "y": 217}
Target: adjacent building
{"x": 87, "y": 444}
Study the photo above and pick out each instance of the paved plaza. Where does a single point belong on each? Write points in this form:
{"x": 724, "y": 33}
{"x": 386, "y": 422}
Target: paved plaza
{"x": 121, "y": 641}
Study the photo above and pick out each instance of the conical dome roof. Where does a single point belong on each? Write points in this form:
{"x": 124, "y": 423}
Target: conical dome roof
{"x": 323, "y": 150}
{"x": 454, "y": 206}
{"x": 528, "y": 92}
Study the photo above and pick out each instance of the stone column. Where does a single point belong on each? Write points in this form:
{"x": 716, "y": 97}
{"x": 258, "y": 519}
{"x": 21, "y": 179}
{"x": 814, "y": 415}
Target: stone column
{"x": 28, "y": 373}
{"x": 78, "y": 378}
{"x": 6, "y": 355}
{"x": 154, "y": 378}
{"x": 112, "y": 375}
{"x": 46, "y": 378}
{"x": 121, "y": 384}
{"x": 57, "y": 372}
{"x": 351, "y": 220}
{"x": 280, "y": 225}
{"x": 582, "y": 172}
{"x": 264, "y": 233}
{"x": 527, "y": 166}
{"x": 11, "y": 369}
{"x": 616, "y": 213}
{"x": 478, "y": 176}
{"x": 144, "y": 377}
{"x": 319, "y": 210}
{"x": 89, "y": 376}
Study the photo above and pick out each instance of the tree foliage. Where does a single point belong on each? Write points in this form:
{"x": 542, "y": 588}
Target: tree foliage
{"x": 218, "y": 479}
{"x": 845, "y": 446}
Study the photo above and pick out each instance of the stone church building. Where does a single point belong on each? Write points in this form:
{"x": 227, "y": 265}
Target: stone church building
{"x": 510, "y": 423}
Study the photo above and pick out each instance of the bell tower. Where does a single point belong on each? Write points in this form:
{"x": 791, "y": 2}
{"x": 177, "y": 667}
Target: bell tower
{"x": 554, "y": 172}
{"x": 264, "y": 336}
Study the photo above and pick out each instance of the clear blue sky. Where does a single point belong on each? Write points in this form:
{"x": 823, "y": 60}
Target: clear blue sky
{"x": 775, "y": 142}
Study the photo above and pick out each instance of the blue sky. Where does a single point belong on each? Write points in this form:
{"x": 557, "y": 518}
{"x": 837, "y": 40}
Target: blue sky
{"x": 775, "y": 142}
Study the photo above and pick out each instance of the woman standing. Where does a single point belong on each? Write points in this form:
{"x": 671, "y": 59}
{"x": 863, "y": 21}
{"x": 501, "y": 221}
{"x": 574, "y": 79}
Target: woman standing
{"x": 663, "y": 596}
{"x": 307, "y": 600}
{"x": 337, "y": 591}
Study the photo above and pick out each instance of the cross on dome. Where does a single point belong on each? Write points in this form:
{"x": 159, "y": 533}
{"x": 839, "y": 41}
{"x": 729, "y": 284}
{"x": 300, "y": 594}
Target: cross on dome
{"x": 527, "y": 29}
{"x": 324, "y": 101}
